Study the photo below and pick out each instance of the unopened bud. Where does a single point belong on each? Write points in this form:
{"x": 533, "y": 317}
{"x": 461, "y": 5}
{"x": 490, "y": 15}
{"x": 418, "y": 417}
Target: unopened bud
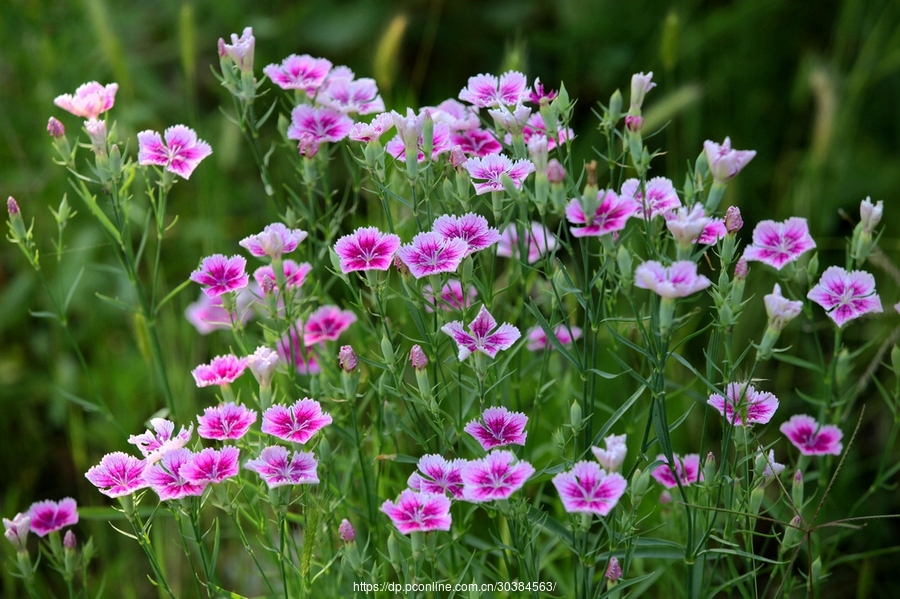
{"x": 741, "y": 269}
{"x": 733, "y": 220}
{"x": 457, "y": 157}
{"x": 797, "y": 489}
{"x": 709, "y": 469}
{"x": 347, "y": 359}
{"x": 575, "y": 416}
{"x": 401, "y": 266}
{"x": 55, "y": 128}
{"x": 870, "y": 215}
{"x": 792, "y": 534}
{"x": 614, "y": 570}
{"x": 346, "y": 532}
{"x": 69, "y": 541}
{"x": 12, "y": 206}
{"x": 268, "y": 285}
{"x": 556, "y": 173}
{"x": 634, "y": 123}
{"x": 615, "y": 106}
{"x": 417, "y": 358}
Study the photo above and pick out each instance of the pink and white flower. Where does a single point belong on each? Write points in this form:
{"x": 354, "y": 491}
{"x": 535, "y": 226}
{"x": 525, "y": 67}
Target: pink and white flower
{"x": 49, "y": 516}
{"x": 299, "y": 72}
{"x": 640, "y": 85}
{"x": 356, "y": 96}
{"x": 437, "y": 475}
{"x": 118, "y": 474}
{"x": 326, "y": 324}
{"x": 274, "y": 467}
{"x": 167, "y": 479}
{"x": 486, "y": 90}
{"x": 180, "y": 154}
{"x": 297, "y": 423}
{"x": 776, "y": 244}
{"x": 612, "y": 213}
{"x": 367, "y": 248}
{"x": 744, "y": 405}
{"x": 725, "y": 163}
{"x": 476, "y": 142}
{"x": 846, "y": 295}
{"x": 588, "y": 489}
{"x": 678, "y": 280}
{"x": 218, "y": 274}
{"x": 240, "y": 50}
{"x": 274, "y": 240}
{"x": 90, "y": 100}
{"x": 262, "y": 364}
{"x": 712, "y": 232}
{"x": 431, "y": 253}
{"x": 498, "y": 427}
{"x": 211, "y": 465}
{"x": 440, "y": 144}
{"x": 153, "y": 445}
{"x": 208, "y": 314}
{"x": 613, "y": 456}
{"x": 810, "y": 437}
{"x": 346, "y": 532}
{"x": 313, "y": 126}
{"x": 661, "y": 196}
{"x": 16, "y": 531}
{"x": 538, "y": 341}
{"x": 687, "y": 469}
{"x": 471, "y": 228}
{"x": 485, "y": 337}
{"x": 539, "y": 242}
{"x": 419, "y": 512}
{"x": 222, "y": 370}
{"x": 535, "y": 127}
{"x": 496, "y": 476}
{"x": 294, "y": 274}
{"x": 292, "y": 349}
{"x": 870, "y": 214}
{"x": 369, "y": 132}
{"x": 491, "y": 168}
{"x": 780, "y": 309}
{"x": 687, "y": 224}
{"x": 226, "y": 421}
{"x": 451, "y": 298}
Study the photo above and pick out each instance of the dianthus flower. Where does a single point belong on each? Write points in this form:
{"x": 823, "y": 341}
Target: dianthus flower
{"x": 744, "y": 405}
{"x": 498, "y": 427}
{"x": 222, "y": 370}
{"x": 471, "y": 228}
{"x": 678, "y": 280}
{"x": 218, "y": 274}
{"x": 810, "y": 437}
{"x": 491, "y": 168}
{"x": 367, "y": 248}
{"x": 437, "y": 475}
{"x": 49, "y": 516}
{"x": 326, "y": 324}
{"x": 431, "y": 253}
{"x": 587, "y": 488}
{"x": 538, "y": 341}
{"x": 486, "y": 90}
{"x": 299, "y": 72}
{"x": 776, "y": 244}
{"x": 485, "y": 336}
{"x": 274, "y": 240}
{"x": 496, "y": 476}
{"x": 419, "y": 512}
{"x": 227, "y": 421}
{"x": 612, "y": 212}
{"x": 167, "y": 479}
{"x": 661, "y": 196}
{"x": 687, "y": 469}
{"x": 181, "y": 153}
{"x": 90, "y": 100}
{"x": 118, "y": 474}
{"x": 274, "y": 467}
{"x": 846, "y": 295}
{"x": 297, "y": 423}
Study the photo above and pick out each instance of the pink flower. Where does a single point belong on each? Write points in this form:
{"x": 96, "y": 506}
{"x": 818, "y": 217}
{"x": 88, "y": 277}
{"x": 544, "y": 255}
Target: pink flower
{"x": 494, "y": 477}
{"x": 276, "y": 470}
{"x": 431, "y": 253}
{"x": 440, "y": 144}
{"x": 539, "y": 96}
{"x": 845, "y": 295}
{"x": 772, "y": 468}
{"x": 219, "y": 274}
{"x": 640, "y": 85}
{"x": 687, "y": 224}
{"x": 612, "y": 213}
{"x": 294, "y": 274}
{"x": 870, "y": 214}
{"x": 326, "y": 324}
{"x": 154, "y": 444}
{"x": 227, "y": 421}
{"x": 776, "y": 244}
{"x": 16, "y": 531}
{"x": 451, "y": 298}
{"x": 222, "y": 370}
{"x": 678, "y": 280}
{"x": 367, "y": 248}
{"x": 613, "y": 456}
{"x": 323, "y": 124}
{"x": 181, "y": 153}
{"x": 417, "y": 358}
{"x": 491, "y": 169}
{"x": 486, "y": 90}
{"x": 476, "y": 142}
{"x": 262, "y": 364}
{"x": 498, "y": 427}
{"x": 535, "y": 126}
{"x": 346, "y": 532}
{"x": 537, "y": 338}
{"x": 351, "y": 96}
{"x": 299, "y": 72}
{"x": 240, "y": 50}
{"x": 661, "y": 196}
{"x": 712, "y": 232}
{"x": 483, "y": 338}
{"x": 90, "y": 100}
{"x": 369, "y": 132}
{"x": 212, "y": 466}
{"x": 588, "y": 489}
{"x": 276, "y": 239}
{"x": 745, "y": 405}
{"x": 347, "y": 359}
{"x": 167, "y": 479}
{"x": 297, "y": 423}
{"x": 687, "y": 469}
{"x": 780, "y": 309}
{"x": 118, "y": 474}
{"x": 471, "y": 228}
{"x": 512, "y": 121}
{"x": 438, "y": 476}
{"x": 49, "y": 516}
{"x": 291, "y": 349}
{"x": 456, "y": 115}
{"x": 614, "y": 570}
{"x": 725, "y": 163}
{"x": 208, "y": 315}
{"x": 810, "y": 437}
{"x": 419, "y": 512}
{"x": 539, "y": 242}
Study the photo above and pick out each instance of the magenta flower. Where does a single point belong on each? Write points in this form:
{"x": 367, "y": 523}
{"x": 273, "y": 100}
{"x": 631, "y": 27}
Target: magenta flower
{"x": 776, "y": 244}
{"x": 483, "y": 337}
{"x": 437, "y": 475}
{"x": 687, "y": 469}
{"x": 222, "y": 370}
{"x": 49, "y": 516}
{"x": 539, "y": 96}
{"x": 181, "y": 153}
{"x": 779, "y": 309}
{"x": 240, "y": 50}
{"x": 274, "y": 240}
{"x": 351, "y": 96}
{"x": 326, "y": 324}
{"x": 476, "y": 142}
{"x": 538, "y": 341}
{"x": 810, "y": 437}
{"x": 451, "y": 298}
{"x": 613, "y": 456}
{"x": 431, "y": 253}
{"x": 16, "y": 531}
{"x": 207, "y": 314}
{"x": 167, "y": 478}
{"x": 153, "y": 445}
{"x": 323, "y": 124}
{"x": 299, "y": 72}
{"x": 661, "y": 196}
{"x": 471, "y": 228}
{"x": 369, "y": 132}
{"x": 212, "y": 466}
{"x": 491, "y": 169}
{"x": 498, "y": 427}
{"x": 678, "y": 280}
{"x": 614, "y": 570}
{"x": 611, "y": 215}
{"x": 297, "y": 423}
{"x": 539, "y": 242}
{"x": 90, "y": 100}
{"x": 495, "y": 476}
{"x": 440, "y": 144}
{"x": 291, "y": 349}
{"x": 276, "y": 470}
{"x": 294, "y": 274}
{"x": 346, "y": 532}
{"x": 227, "y": 421}
{"x": 487, "y": 90}
{"x": 712, "y": 232}
{"x": 845, "y": 295}
{"x": 456, "y": 115}
{"x": 535, "y": 127}
{"x": 419, "y": 512}
{"x": 744, "y": 405}
{"x": 588, "y": 489}
{"x": 219, "y": 274}
{"x": 118, "y": 474}
{"x": 725, "y": 163}
{"x": 367, "y": 248}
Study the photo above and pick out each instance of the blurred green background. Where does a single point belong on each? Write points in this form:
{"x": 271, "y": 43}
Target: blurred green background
{"x": 813, "y": 87}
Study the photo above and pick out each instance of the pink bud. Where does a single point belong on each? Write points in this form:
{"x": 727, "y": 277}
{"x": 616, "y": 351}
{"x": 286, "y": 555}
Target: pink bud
{"x": 665, "y": 497}
{"x": 12, "y": 206}
{"x": 634, "y": 123}
{"x": 741, "y": 269}
{"x": 614, "y": 571}
{"x": 733, "y": 220}
{"x": 268, "y": 285}
{"x": 69, "y": 541}
{"x": 222, "y": 51}
{"x": 556, "y": 173}
{"x": 308, "y": 145}
{"x": 348, "y": 362}
{"x": 798, "y": 477}
{"x": 55, "y": 128}
{"x": 346, "y": 532}
{"x": 401, "y": 266}
{"x": 457, "y": 156}
{"x": 417, "y": 358}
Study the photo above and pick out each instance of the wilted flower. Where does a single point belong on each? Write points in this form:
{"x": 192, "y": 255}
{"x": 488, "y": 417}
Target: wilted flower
{"x": 240, "y": 50}
{"x": 870, "y": 215}
{"x": 16, "y": 530}
{"x": 640, "y": 85}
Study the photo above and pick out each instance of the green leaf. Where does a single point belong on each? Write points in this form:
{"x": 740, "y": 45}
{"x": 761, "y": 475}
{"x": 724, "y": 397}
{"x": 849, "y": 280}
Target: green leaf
{"x": 551, "y": 336}
{"x": 795, "y": 361}
{"x": 118, "y": 304}
{"x": 172, "y": 294}
{"x": 617, "y": 415}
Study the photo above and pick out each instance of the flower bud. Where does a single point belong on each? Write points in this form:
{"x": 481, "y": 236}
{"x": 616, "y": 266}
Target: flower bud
{"x": 709, "y": 469}
{"x": 556, "y": 173}
{"x": 870, "y": 215}
{"x": 537, "y": 150}
{"x": 12, "y": 206}
{"x": 634, "y": 123}
{"x": 69, "y": 541}
{"x": 733, "y": 220}
{"x": 96, "y": 130}
{"x": 665, "y": 497}
{"x": 457, "y": 157}
{"x": 797, "y": 489}
{"x": 401, "y": 266}
{"x": 640, "y": 85}
{"x": 262, "y": 364}
{"x": 268, "y": 285}
{"x": 741, "y": 269}
{"x": 417, "y": 358}
{"x": 55, "y": 128}
{"x": 347, "y": 359}
{"x": 575, "y": 416}
{"x": 792, "y": 534}
{"x": 346, "y": 532}
{"x": 17, "y": 531}
{"x": 614, "y": 570}
{"x": 615, "y": 106}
